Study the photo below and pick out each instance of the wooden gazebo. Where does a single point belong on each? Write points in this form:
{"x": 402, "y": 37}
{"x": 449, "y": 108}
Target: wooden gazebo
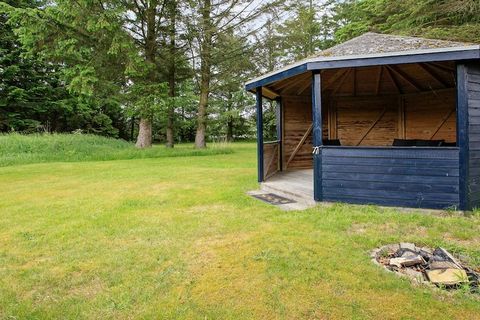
{"x": 379, "y": 119}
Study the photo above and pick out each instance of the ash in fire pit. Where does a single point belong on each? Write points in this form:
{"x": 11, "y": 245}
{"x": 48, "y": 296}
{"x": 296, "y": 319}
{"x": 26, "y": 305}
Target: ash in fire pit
{"x": 426, "y": 265}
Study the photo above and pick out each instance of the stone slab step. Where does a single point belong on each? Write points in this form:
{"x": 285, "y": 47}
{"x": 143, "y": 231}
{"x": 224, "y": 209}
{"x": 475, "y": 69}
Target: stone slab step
{"x": 297, "y": 196}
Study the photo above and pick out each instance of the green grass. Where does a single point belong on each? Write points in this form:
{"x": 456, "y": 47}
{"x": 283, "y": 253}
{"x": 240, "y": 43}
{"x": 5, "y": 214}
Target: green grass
{"x": 22, "y": 149}
{"x": 178, "y": 238}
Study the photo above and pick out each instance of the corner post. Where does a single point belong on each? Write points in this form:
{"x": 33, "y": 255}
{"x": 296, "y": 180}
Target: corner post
{"x": 317, "y": 135}
{"x": 259, "y": 134}
{"x": 462, "y": 137}
{"x": 279, "y": 118}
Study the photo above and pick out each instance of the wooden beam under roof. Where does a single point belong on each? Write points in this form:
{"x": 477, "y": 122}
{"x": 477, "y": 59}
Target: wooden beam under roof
{"x": 394, "y": 81}
{"x": 379, "y": 80}
{"x": 269, "y": 93}
{"x": 445, "y": 69}
{"x": 431, "y": 71}
{"x": 354, "y": 82}
{"x": 342, "y": 81}
{"x": 293, "y": 81}
{"x": 405, "y": 77}
{"x": 323, "y": 63}
{"x": 335, "y": 77}
{"x": 442, "y": 66}
{"x": 306, "y": 85}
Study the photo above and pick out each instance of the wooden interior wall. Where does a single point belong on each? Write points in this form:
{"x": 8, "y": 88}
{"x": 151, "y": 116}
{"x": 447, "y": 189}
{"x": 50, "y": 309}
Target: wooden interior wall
{"x": 369, "y": 121}
{"x": 376, "y": 121}
{"x": 270, "y": 159}
{"x": 370, "y": 106}
{"x": 365, "y": 121}
{"x": 297, "y": 115}
{"x": 431, "y": 116}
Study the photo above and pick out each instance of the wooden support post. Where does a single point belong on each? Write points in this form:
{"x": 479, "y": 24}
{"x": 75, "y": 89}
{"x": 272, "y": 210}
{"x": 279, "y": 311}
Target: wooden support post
{"x": 462, "y": 136}
{"x": 317, "y": 135}
{"x": 279, "y": 111}
{"x": 259, "y": 134}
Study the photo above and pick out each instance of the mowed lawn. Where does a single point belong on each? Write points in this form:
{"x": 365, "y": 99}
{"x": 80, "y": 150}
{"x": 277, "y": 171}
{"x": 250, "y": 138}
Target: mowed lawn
{"x": 178, "y": 238}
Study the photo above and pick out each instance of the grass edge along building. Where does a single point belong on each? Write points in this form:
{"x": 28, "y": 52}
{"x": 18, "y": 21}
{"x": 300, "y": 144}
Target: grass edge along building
{"x": 379, "y": 119}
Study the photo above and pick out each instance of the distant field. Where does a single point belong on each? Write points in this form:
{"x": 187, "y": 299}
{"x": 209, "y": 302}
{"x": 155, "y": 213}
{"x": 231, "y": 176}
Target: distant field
{"x": 24, "y": 149}
{"x": 178, "y": 238}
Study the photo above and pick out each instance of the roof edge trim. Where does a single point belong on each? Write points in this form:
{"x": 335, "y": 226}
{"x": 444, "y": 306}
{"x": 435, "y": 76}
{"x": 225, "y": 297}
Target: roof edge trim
{"x": 400, "y": 57}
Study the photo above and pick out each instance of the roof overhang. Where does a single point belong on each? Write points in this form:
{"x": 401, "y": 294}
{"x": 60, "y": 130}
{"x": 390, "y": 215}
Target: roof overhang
{"x": 402, "y": 57}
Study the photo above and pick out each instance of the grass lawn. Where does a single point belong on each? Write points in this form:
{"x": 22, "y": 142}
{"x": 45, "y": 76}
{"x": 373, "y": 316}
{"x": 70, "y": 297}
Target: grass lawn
{"x": 23, "y": 149}
{"x": 178, "y": 238}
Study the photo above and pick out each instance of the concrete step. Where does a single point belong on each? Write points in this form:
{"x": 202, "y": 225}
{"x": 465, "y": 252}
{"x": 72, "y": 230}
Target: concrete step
{"x": 295, "y": 195}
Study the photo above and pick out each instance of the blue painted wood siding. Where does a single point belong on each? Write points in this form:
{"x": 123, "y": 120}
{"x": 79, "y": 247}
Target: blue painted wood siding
{"x": 473, "y": 99}
{"x": 406, "y": 177}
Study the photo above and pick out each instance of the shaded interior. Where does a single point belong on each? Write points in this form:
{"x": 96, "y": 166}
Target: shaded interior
{"x": 402, "y": 105}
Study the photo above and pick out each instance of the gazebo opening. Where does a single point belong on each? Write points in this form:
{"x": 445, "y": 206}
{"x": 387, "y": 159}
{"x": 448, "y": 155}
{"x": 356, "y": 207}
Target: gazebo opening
{"x": 378, "y": 119}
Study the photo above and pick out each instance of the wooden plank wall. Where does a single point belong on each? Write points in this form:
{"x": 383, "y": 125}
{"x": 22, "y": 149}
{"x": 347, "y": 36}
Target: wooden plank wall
{"x": 355, "y": 115}
{"x": 473, "y": 96}
{"x": 297, "y": 115}
{"x": 407, "y": 177}
{"x": 429, "y": 116}
{"x": 270, "y": 159}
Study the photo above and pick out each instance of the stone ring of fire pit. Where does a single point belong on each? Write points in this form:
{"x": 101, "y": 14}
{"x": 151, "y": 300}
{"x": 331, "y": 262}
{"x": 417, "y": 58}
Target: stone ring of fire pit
{"x": 427, "y": 266}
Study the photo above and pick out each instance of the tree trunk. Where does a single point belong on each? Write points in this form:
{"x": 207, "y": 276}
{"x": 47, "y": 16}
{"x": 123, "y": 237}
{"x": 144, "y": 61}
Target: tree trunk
{"x": 132, "y": 129}
{"x": 230, "y": 118}
{"x": 171, "y": 77}
{"x": 205, "y": 70}
{"x": 170, "y": 128}
{"x": 201, "y": 117}
{"x": 144, "y": 139}
{"x": 230, "y": 130}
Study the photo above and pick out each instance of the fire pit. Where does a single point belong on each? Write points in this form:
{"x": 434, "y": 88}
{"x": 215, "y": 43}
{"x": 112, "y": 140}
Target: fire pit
{"x": 427, "y": 265}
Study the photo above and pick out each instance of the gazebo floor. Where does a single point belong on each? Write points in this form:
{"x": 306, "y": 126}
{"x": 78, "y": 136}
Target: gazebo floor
{"x": 293, "y": 184}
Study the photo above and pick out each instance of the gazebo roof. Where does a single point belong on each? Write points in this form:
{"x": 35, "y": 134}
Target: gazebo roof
{"x": 372, "y": 49}
{"x": 376, "y": 43}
